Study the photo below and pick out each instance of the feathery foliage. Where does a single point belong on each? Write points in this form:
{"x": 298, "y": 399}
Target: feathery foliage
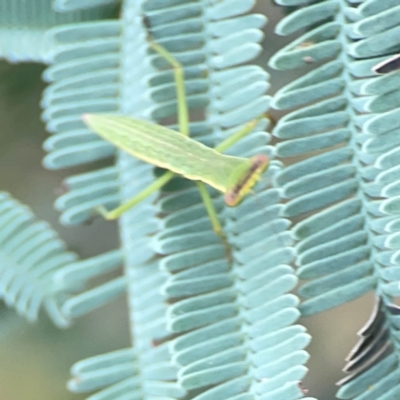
{"x": 30, "y": 254}
{"x": 334, "y": 249}
{"x": 345, "y": 122}
{"x": 209, "y": 322}
{"x": 85, "y": 77}
{"x": 206, "y": 324}
{"x": 37, "y": 270}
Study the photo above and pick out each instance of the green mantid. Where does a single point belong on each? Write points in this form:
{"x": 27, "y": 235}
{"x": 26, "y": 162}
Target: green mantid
{"x": 181, "y": 155}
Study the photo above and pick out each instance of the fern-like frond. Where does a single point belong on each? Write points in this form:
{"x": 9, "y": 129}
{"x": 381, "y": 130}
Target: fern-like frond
{"x": 91, "y": 66}
{"x": 212, "y": 295}
{"x": 373, "y": 365}
{"x": 36, "y": 270}
{"x": 352, "y": 244}
{"x": 212, "y": 300}
{"x": 342, "y": 244}
{"x": 30, "y": 255}
{"x": 381, "y": 108}
{"x": 24, "y": 23}
{"x": 85, "y": 75}
{"x": 208, "y": 322}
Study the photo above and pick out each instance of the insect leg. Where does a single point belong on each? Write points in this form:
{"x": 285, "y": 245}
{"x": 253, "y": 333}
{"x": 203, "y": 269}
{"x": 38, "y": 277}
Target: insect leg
{"x": 231, "y": 140}
{"x": 216, "y": 224}
{"x": 156, "y": 185}
{"x": 179, "y": 73}
{"x": 183, "y": 117}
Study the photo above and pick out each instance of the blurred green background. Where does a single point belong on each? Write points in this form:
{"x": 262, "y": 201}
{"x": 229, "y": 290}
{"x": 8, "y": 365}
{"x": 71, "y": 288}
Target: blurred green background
{"x": 35, "y": 359}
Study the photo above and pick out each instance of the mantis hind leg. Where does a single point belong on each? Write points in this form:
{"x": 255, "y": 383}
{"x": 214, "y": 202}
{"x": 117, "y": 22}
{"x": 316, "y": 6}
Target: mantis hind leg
{"x": 183, "y": 120}
{"x": 184, "y": 128}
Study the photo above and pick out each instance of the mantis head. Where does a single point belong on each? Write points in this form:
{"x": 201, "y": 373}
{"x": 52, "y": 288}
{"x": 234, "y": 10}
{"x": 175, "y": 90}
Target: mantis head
{"x": 244, "y": 178}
